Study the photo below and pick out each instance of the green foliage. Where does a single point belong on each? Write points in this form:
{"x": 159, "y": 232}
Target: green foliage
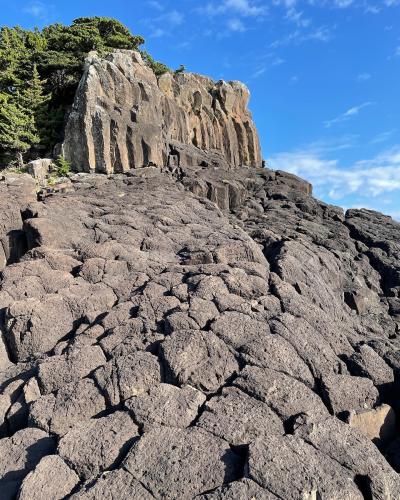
{"x": 158, "y": 67}
{"x": 63, "y": 167}
{"x": 39, "y": 73}
{"x": 17, "y": 126}
{"x": 181, "y": 69}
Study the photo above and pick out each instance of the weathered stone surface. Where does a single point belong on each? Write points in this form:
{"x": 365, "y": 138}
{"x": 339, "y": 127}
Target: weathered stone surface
{"x": 285, "y": 395}
{"x": 218, "y": 320}
{"x": 354, "y": 451}
{"x": 16, "y": 191}
{"x": 111, "y": 485}
{"x": 198, "y": 358}
{"x": 367, "y": 363}
{"x": 124, "y": 117}
{"x": 344, "y": 393}
{"x": 19, "y": 455}
{"x": 239, "y": 490}
{"x": 81, "y": 446}
{"x": 181, "y": 463}
{"x": 290, "y": 468}
{"x": 58, "y": 371}
{"x": 39, "y": 169}
{"x": 73, "y": 403}
{"x": 238, "y": 418}
{"x": 52, "y": 478}
{"x": 127, "y": 376}
{"x": 378, "y": 424}
{"x": 166, "y": 405}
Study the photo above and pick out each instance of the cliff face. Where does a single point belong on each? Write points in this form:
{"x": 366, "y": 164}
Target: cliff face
{"x": 123, "y": 117}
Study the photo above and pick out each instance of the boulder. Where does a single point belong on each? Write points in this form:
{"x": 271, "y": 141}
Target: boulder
{"x": 72, "y": 404}
{"x": 344, "y": 393}
{"x": 52, "y": 478}
{"x": 39, "y": 169}
{"x": 378, "y": 424}
{"x": 197, "y": 358}
{"x": 177, "y": 463}
{"x": 79, "y": 447}
{"x": 19, "y": 455}
{"x": 166, "y": 405}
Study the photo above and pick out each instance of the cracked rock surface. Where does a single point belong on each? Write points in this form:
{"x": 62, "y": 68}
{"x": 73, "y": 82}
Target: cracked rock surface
{"x": 223, "y": 335}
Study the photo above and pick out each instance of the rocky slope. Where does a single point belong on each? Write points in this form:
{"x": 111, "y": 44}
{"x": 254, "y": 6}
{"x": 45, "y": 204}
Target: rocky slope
{"x": 123, "y": 116}
{"x": 219, "y": 335}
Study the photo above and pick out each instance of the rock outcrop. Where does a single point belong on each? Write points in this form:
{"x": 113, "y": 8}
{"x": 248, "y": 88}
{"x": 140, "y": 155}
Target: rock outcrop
{"x": 195, "y": 338}
{"x": 124, "y": 117}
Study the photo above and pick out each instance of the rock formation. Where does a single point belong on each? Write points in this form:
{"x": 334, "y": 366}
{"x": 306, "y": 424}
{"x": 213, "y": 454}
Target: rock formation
{"x": 222, "y": 336}
{"x": 208, "y": 332}
{"x": 124, "y": 117}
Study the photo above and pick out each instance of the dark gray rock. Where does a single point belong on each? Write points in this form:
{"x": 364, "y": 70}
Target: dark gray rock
{"x": 239, "y": 490}
{"x": 127, "y": 376}
{"x": 238, "y": 418}
{"x": 80, "y": 446}
{"x": 58, "y": 371}
{"x": 344, "y": 393}
{"x": 19, "y": 455}
{"x": 72, "y": 404}
{"x": 285, "y": 395}
{"x": 290, "y": 468}
{"x": 115, "y": 484}
{"x": 166, "y": 405}
{"x": 213, "y": 340}
{"x": 355, "y": 452}
{"x": 181, "y": 463}
{"x": 52, "y": 478}
{"x": 197, "y": 358}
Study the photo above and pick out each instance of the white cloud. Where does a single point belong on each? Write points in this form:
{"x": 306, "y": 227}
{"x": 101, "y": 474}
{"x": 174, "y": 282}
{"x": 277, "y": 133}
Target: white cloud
{"x": 363, "y": 77}
{"x": 161, "y": 25}
{"x": 383, "y": 136}
{"x": 155, "y": 5}
{"x": 342, "y": 4}
{"x": 263, "y": 68}
{"x": 347, "y": 115}
{"x": 39, "y": 10}
{"x": 246, "y": 8}
{"x": 297, "y": 37}
{"x": 373, "y": 177}
{"x": 236, "y": 25}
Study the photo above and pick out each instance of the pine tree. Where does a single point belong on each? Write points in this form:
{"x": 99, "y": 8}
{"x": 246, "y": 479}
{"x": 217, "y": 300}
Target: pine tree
{"x": 35, "y": 101}
{"x": 17, "y": 126}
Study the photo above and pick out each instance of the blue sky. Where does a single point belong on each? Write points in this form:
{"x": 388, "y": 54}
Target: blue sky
{"x": 324, "y": 77}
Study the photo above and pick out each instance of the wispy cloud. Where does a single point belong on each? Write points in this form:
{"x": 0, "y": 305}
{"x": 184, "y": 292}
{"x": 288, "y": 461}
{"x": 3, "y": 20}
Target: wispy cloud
{"x": 246, "y": 8}
{"x": 236, "y": 25}
{"x": 297, "y": 37}
{"x": 383, "y": 136}
{"x": 40, "y": 10}
{"x": 155, "y": 5}
{"x": 161, "y": 25}
{"x": 347, "y": 115}
{"x": 265, "y": 66}
{"x": 372, "y": 177}
{"x": 363, "y": 77}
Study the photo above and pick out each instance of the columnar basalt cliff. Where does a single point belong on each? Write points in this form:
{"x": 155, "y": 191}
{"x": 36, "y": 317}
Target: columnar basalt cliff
{"x": 124, "y": 117}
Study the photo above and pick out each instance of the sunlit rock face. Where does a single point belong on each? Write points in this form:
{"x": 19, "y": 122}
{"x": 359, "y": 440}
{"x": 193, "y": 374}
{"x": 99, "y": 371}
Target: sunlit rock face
{"x": 124, "y": 117}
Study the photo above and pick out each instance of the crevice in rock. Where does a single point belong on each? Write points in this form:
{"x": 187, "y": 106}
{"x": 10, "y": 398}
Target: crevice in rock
{"x": 242, "y": 452}
{"x": 364, "y": 485}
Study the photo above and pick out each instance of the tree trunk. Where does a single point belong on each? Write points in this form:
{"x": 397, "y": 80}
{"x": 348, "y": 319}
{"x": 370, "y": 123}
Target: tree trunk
{"x": 20, "y": 159}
